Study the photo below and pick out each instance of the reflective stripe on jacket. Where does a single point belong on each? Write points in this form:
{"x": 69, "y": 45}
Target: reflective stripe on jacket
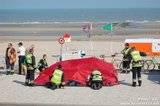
{"x": 136, "y": 59}
{"x": 96, "y": 76}
{"x": 57, "y": 77}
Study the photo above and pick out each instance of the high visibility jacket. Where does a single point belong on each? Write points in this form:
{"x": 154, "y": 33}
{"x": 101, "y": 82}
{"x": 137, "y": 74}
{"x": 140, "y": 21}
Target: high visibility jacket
{"x": 57, "y": 77}
{"x": 30, "y": 61}
{"x": 125, "y": 53}
{"x": 96, "y": 76}
{"x": 136, "y": 59}
{"x": 28, "y": 58}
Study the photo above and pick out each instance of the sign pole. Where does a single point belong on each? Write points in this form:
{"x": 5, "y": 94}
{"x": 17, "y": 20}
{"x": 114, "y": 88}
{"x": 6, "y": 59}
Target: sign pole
{"x": 61, "y": 41}
{"x": 60, "y": 59}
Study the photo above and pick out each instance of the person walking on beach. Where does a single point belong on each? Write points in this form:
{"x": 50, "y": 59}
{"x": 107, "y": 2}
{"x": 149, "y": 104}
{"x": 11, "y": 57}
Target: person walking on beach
{"x": 31, "y": 66}
{"x": 136, "y": 66}
{"x": 42, "y": 64}
{"x": 57, "y": 79}
{"x": 21, "y": 51}
{"x": 126, "y": 58}
{"x": 10, "y": 59}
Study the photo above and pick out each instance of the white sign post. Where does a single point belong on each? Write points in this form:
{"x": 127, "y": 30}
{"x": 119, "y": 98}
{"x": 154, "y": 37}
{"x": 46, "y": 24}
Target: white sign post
{"x": 61, "y": 41}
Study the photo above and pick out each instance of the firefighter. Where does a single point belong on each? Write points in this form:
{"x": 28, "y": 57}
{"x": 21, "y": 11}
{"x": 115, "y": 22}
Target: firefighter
{"x": 95, "y": 80}
{"x": 42, "y": 64}
{"x": 126, "y": 58}
{"x": 31, "y": 66}
{"x": 136, "y": 66}
{"x": 57, "y": 79}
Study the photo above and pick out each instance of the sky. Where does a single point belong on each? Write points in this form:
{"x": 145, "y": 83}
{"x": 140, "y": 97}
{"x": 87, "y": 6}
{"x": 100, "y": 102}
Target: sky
{"x": 69, "y": 4}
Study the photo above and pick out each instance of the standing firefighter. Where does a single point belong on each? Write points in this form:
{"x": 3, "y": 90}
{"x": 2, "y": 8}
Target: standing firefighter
{"x": 31, "y": 66}
{"x": 95, "y": 80}
{"x": 57, "y": 79}
{"x": 126, "y": 58}
{"x": 136, "y": 66}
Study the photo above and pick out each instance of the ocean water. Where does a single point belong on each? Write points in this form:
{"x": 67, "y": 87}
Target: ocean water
{"x": 78, "y": 15}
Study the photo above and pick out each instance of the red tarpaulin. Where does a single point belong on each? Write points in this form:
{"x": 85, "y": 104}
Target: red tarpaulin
{"x": 79, "y": 70}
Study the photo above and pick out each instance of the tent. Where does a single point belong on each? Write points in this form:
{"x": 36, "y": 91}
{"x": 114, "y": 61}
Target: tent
{"x": 79, "y": 69}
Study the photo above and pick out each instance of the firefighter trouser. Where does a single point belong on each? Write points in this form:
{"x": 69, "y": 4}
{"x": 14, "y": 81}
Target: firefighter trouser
{"x": 53, "y": 85}
{"x": 96, "y": 85}
{"x": 136, "y": 72}
{"x": 30, "y": 75}
{"x": 126, "y": 64}
{"x": 21, "y": 61}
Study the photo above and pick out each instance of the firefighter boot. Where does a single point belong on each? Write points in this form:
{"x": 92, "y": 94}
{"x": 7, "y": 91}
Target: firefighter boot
{"x": 139, "y": 83}
{"x": 134, "y": 84}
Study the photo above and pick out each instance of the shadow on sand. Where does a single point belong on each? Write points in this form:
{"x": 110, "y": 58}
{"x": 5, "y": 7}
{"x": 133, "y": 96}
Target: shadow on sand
{"x": 19, "y": 82}
{"x": 125, "y": 83}
{"x": 154, "y": 76}
{"x": 2, "y": 72}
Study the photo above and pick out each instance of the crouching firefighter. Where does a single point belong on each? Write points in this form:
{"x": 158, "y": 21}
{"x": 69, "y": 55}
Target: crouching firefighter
{"x": 57, "y": 79}
{"x": 31, "y": 66}
{"x": 136, "y": 66}
{"x": 95, "y": 80}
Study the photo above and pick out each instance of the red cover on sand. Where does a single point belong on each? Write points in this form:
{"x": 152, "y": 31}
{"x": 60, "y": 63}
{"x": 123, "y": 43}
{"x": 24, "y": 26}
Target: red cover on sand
{"x": 79, "y": 70}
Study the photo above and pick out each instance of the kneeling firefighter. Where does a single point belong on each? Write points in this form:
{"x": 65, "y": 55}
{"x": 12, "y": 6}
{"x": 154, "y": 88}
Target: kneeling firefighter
{"x": 57, "y": 79}
{"x": 136, "y": 66}
{"x": 95, "y": 80}
{"x": 31, "y": 66}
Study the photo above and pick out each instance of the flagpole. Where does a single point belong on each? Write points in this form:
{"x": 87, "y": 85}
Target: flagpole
{"x": 91, "y": 44}
{"x": 111, "y": 40}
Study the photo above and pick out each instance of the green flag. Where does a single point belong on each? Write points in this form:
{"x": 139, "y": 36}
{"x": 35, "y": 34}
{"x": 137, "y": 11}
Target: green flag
{"x": 108, "y": 27}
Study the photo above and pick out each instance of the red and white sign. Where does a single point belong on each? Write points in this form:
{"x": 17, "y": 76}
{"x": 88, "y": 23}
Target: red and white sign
{"x": 61, "y": 41}
{"x": 67, "y": 37}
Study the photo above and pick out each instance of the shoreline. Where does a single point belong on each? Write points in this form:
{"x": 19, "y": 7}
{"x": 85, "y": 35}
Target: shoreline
{"x": 76, "y": 38}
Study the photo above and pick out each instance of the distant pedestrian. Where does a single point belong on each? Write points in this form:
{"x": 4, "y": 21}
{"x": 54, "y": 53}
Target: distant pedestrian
{"x": 7, "y": 57}
{"x": 21, "y": 52}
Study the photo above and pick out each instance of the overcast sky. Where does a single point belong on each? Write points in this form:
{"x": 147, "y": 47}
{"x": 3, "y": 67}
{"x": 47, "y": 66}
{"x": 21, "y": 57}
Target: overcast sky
{"x": 54, "y": 4}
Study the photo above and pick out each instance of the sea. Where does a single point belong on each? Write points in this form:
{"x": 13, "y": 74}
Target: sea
{"x": 45, "y": 16}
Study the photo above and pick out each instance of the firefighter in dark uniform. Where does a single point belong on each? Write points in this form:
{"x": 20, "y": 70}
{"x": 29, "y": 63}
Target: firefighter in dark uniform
{"x": 126, "y": 58}
{"x": 136, "y": 66}
{"x": 95, "y": 80}
{"x": 31, "y": 66}
{"x": 42, "y": 64}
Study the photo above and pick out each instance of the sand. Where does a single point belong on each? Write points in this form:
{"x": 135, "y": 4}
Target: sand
{"x": 12, "y": 90}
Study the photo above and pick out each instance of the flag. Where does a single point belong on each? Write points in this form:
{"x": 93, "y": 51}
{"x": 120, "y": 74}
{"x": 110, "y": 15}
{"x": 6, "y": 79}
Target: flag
{"x": 67, "y": 37}
{"x": 108, "y": 27}
{"x": 87, "y": 28}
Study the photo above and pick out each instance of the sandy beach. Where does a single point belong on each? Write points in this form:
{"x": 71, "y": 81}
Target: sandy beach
{"x": 122, "y": 94}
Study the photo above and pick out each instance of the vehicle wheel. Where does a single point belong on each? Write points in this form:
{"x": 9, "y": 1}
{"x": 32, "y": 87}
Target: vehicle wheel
{"x": 120, "y": 67}
{"x": 116, "y": 65}
{"x": 151, "y": 65}
{"x": 144, "y": 66}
